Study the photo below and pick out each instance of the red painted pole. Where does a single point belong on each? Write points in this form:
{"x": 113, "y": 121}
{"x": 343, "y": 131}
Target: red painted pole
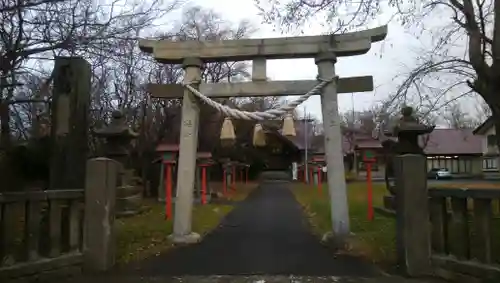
{"x": 224, "y": 183}
{"x": 305, "y": 174}
{"x": 203, "y": 184}
{"x": 311, "y": 174}
{"x": 320, "y": 184}
{"x": 370, "y": 190}
{"x": 168, "y": 191}
{"x": 246, "y": 175}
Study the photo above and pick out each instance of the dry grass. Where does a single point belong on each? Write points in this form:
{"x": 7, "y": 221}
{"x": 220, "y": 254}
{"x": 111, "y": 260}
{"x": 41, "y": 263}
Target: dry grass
{"x": 241, "y": 192}
{"x": 375, "y": 239}
{"x": 146, "y": 234}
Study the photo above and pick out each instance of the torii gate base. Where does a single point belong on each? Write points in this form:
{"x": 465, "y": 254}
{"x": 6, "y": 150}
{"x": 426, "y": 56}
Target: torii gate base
{"x": 325, "y": 49}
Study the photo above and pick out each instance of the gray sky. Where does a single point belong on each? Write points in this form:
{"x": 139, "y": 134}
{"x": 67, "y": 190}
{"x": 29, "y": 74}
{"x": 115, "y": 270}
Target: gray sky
{"x": 384, "y": 61}
{"x": 394, "y": 57}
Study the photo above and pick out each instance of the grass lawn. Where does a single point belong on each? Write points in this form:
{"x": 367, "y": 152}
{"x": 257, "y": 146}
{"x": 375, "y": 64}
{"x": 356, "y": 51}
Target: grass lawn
{"x": 374, "y": 240}
{"x": 146, "y": 234}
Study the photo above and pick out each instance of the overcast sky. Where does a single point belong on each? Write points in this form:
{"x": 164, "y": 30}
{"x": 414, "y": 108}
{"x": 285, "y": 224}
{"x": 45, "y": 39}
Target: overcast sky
{"x": 384, "y": 61}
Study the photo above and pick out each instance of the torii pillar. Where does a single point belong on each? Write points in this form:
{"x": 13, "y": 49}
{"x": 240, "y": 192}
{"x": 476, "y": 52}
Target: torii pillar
{"x": 324, "y": 48}
{"x": 333, "y": 148}
{"x": 188, "y": 147}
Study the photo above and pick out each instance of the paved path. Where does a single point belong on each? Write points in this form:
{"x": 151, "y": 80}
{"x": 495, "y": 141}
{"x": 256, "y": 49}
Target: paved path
{"x": 265, "y": 234}
{"x": 265, "y": 239}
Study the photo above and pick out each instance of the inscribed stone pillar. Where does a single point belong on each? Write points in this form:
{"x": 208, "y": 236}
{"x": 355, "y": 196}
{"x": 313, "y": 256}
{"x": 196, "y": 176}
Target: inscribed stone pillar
{"x": 69, "y": 122}
{"x": 333, "y": 147}
{"x": 188, "y": 146}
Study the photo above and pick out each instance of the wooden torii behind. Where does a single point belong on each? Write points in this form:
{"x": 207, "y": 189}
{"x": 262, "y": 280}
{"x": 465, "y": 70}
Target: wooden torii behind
{"x": 324, "y": 48}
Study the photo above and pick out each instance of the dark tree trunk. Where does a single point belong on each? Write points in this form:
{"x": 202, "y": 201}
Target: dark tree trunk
{"x": 5, "y": 141}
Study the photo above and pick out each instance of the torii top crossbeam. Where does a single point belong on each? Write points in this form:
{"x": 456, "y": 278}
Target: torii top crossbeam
{"x": 347, "y": 44}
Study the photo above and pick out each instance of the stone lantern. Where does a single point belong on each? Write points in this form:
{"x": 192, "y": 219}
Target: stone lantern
{"x": 118, "y": 137}
{"x": 407, "y": 130}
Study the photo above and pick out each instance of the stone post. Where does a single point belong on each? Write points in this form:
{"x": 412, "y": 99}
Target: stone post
{"x": 99, "y": 233}
{"x": 314, "y": 167}
{"x": 229, "y": 176}
{"x": 187, "y": 157}
{"x": 333, "y": 147}
{"x": 69, "y": 122}
{"x": 412, "y": 204}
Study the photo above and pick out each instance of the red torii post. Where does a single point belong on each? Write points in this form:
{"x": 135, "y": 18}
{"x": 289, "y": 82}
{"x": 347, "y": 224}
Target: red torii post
{"x": 169, "y": 154}
{"x": 319, "y": 162}
{"x": 204, "y": 161}
{"x": 369, "y": 160}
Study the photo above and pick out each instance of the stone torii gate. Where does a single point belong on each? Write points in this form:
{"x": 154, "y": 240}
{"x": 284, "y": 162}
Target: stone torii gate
{"x": 324, "y": 49}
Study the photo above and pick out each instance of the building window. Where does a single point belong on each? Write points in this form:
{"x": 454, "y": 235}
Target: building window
{"x": 491, "y": 140}
{"x": 454, "y": 164}
{"x": 490, "y": 163}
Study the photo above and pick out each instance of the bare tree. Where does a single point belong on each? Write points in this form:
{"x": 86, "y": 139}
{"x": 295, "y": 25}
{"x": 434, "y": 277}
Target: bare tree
{"x": 339, "y": 15}
{"x": 120, "y": 70}
{"x": 482, "y": 110}
{"x": 462, "y": 59}
{"x": 35, "y": 31}
{"x": 457, "y": 118}
{"x": 201, "y": 24}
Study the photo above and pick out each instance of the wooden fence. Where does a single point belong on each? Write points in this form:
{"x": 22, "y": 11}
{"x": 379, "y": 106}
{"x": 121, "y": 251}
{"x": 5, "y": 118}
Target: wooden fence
{"x": 465, "y": 231}
{"x": 43, "y": 233}
{"x": 448, "y": 232}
